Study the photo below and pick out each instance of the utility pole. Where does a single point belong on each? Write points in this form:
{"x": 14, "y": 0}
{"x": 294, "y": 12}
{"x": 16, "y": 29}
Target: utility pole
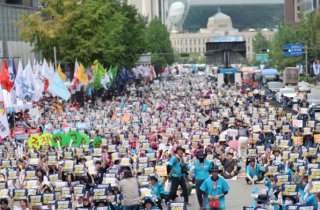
{"x": 306, "y": 57}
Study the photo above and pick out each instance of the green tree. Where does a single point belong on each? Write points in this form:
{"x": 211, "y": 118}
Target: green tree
{"x": 159, "y": 44}
{"x": 90, "y": 30}
{"x": 284, "y": 35}
{"x": 260, "y": 43}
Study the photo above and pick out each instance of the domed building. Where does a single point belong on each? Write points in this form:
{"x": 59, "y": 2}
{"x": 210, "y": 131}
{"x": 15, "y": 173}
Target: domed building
{"x": 219, "y": 29}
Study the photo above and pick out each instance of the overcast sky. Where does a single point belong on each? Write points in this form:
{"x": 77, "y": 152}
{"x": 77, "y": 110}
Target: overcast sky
{"x": 228, "y": 2}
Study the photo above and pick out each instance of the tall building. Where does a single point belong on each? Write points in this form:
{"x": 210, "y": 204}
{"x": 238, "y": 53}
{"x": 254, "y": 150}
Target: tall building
{"x": 292, "y": 9}
{"x": 219, "y": 27}
{"x": 10, "y": 44}
{"x": 150, "y": 8}
{"x": 309, "y": 5}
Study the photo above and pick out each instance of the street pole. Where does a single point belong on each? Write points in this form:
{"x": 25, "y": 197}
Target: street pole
{"x": 306, "y": 57}
{"x": 55, "y": 57}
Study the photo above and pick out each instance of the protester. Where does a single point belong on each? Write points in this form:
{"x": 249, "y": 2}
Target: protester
{"x": 215, "y": 189}
{"x": 200, "y": 171}
{"x": 129, "y": 187}
{"x": 177, "y": 169}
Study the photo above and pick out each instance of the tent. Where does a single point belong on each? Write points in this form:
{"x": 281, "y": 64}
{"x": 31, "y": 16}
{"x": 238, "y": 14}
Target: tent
{"x": 265, "y": 72}
{"x": 228, "y": 71}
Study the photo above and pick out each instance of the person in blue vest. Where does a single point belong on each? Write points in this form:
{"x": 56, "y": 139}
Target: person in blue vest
{"x": 312, "y": 198}
{"x": 200, "y": 170}
{"x": 255, "y": 172}
{"x": 215, "y": 188}
{"x": 176, "y": 170}
{"x": 155, "y": 186}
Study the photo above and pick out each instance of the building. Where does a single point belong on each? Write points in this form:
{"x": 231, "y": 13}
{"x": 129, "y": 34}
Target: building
{"x": 291, "y": 11}
{"x": 218, "y": 26}
{"x": 309, "y": 5}
{"x": 150, "y": 8}
{"x": 10, "y": 44}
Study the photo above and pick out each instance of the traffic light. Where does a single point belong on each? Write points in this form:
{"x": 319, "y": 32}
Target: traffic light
{"x": 265, "y": 50}
{"x": 286, "y": 50}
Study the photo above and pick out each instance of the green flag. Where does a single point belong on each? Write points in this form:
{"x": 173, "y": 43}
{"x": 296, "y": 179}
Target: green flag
{"x": 112, "y": 73}
{"x": 97, "y": 76}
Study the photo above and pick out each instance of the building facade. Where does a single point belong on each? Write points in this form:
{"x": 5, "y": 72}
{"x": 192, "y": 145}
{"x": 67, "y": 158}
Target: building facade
{"x": 150, "y": 8}
{"x": 219, "y": 25}
{"x": 10, "y": 43}
{"x": 292, "y": 8}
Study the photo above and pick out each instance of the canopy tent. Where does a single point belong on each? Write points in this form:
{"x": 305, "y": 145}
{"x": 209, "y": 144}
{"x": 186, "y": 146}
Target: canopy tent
{"x": 250, "y": 70}
{"x": 228, "y": 71}
{"x": 265, "y": 72}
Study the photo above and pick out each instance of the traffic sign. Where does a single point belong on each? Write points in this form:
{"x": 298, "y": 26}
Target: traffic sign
{"x": 291, "y": 50}
{"x": 262, "y": 57}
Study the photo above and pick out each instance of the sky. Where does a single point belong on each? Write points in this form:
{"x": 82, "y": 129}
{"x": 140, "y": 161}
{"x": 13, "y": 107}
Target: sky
{"x": 228, "y": 2}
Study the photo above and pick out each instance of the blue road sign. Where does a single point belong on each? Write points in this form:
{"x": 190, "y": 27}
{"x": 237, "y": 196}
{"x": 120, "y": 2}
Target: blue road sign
{"x": 293, "y": 50}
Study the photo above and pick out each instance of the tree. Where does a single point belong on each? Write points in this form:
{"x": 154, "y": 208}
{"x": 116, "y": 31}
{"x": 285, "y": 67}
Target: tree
{"x": 284, "y": 35}
{"x": 259, "y": 43}
{"x": 159, "y": 44}
{"x": 100, "y": 30}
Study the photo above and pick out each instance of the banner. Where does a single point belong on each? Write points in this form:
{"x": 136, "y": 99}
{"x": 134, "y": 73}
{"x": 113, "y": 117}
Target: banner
{"x": 4, "y": 126}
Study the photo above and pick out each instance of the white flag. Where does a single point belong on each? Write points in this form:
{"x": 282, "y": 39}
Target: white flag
{"x": 4, "y": 126}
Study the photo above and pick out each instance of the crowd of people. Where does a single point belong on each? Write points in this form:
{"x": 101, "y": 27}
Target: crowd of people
{"x": 158, "y": 145}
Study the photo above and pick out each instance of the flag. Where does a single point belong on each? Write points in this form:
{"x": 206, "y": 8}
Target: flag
{"x": 82, "y": 75}
{"x": 31, "y": 89}
{"x": 5, "y": 80}
{"x": 18, "y": 81}
{"x": 98, "y": 73}
{"x": 112, "y": 73}
{"x": 46, "y": 71}
{"x": 4, "y": 126}
{"x": 60, "y": 73}
{"x": 105, "y": 81}
{"x": 12, "y": 70}
{"x": 75, "y": 80}
{"x": 57, "y": 87}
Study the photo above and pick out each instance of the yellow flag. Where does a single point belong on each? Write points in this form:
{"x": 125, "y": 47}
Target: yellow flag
{"x": 61, "y": 74}
{"x": 82, "y": 75}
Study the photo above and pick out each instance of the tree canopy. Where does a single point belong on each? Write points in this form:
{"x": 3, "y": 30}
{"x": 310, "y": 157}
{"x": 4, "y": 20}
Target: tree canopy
{"x": 87, "y": 30}
{"x": 158, "y": 43}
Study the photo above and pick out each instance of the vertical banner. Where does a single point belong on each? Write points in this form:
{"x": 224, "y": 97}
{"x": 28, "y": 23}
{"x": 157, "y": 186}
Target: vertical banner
{"x": 4, "y": 126}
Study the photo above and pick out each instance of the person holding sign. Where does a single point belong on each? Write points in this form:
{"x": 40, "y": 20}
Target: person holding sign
{"x": 215, "y": 188}
{"x": 254, "y": 172}
{"x": 200, "y": 171}
{"x": 312, "y": 198}
{"x": 176, "y": 169}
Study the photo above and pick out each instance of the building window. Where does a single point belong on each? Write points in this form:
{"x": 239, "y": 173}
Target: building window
{"x": 186, "y": 42}
{"x": 190, "y": 41}
{"x": 186, "y": 50}
{"x": 195, "y": 41}
{"x": 190, "y": 49}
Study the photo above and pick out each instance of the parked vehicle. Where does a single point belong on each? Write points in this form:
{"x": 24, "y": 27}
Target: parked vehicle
{"x": 274, "y": 86}
{"x": 269, "y": 75}
{"x": 291, "y": 76}
{"x": 313, "y": 99}
{"x": 286, "y": 92}
{"x": 304, "y": 86}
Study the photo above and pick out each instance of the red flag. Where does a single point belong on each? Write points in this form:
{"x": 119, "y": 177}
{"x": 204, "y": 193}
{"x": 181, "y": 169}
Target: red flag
{"x": 5, "y": 77}
{"x": 46, "y": 85}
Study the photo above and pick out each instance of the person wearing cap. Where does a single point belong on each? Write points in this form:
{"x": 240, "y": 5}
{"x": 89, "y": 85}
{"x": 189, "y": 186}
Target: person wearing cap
{"x": 148, "y": 204}
{"x": 230, "y": 166}
{"x": 200, "y": 170}
{"x": 215, "y": 188}
{"x": 176, "y": 169}
{"x": 155, "y": 187}
{"x": 254, "y": 172}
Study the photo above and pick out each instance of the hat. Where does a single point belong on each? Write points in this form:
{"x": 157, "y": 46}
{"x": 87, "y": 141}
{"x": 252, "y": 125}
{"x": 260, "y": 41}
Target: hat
{"x": 153, "y": 178}
{"x": 179, "y": 148}
{"x": 147, "y": 200}
{"x": 214, "y": 169}
{"x": 200, "y": 153}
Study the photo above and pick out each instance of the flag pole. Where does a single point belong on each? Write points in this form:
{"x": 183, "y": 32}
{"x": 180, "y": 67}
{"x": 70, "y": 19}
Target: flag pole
{"x": 55, "y": 57}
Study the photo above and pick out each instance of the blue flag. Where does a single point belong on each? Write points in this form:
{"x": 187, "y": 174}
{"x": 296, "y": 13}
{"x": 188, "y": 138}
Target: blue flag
{"x": 56, "y": 87}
